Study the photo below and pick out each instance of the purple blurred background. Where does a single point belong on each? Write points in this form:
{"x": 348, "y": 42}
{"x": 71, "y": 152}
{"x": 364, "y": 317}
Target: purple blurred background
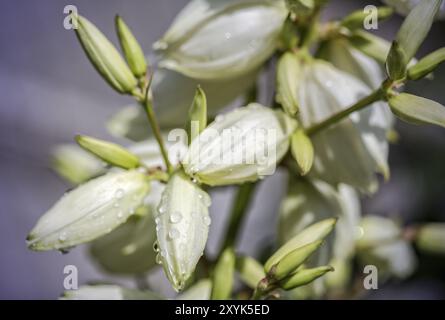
{"x": 49, "y": 93}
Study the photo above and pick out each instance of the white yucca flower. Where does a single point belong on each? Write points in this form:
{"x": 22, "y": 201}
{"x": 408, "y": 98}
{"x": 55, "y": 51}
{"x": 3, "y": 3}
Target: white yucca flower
{"x": 90, "y": 211}
{"x": 214, "y": 39}
{"x": 348, "y": 59}
{"x": 240, "y": 146}
{"x": 129, "y": 248}
{"x": 405, "y": 6}
{"x": 172, "y": 109}
{"x": 182, "y": 226}
{"x": 309, "y": 201}
{"x": 381, "y": 243}
{"x": 354, "y": 149}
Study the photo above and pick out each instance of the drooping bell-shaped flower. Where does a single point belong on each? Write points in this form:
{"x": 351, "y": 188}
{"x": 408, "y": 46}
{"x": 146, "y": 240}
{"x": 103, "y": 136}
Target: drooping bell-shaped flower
{"x": 90, "y": 211}
{"x": 182, "y": 225}
{"x": 241, "y": 146}
{"x": 129, "y": 248}
{"x": 215, "y": 39}
{"x": 352, "y": 150}
{"x": 346, "y": 58}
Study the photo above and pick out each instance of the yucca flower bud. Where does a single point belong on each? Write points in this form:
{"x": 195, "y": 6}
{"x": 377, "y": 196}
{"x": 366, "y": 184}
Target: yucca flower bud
{"x": 104, "y": 57}
{"x": 182, "y": 225}
{"x": 304, "y": 276}
{"x": 240, "y": 146}
{"x": 310, "y": 200}
{"x": 131, "y": 48}
{"x": 215, "y": 39}
{"x": 109, "y": 152}
{"x": 354, "y": 149}
{"x": 90, "y": 211}
{"x": 311, "y": 234}
{"x": 74, "y": 164}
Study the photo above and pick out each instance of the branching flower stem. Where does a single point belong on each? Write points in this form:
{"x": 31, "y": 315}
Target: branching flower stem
{"x": 374, "y": 96}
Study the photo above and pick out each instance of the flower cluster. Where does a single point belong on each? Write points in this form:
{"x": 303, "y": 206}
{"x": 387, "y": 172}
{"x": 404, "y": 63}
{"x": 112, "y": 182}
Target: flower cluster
{"x": 328, "y": 128}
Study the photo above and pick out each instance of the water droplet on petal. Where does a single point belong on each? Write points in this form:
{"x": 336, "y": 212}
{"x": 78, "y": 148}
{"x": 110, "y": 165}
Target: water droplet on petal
{"x": 227, "y": 35}
{"x": 173, "y": 234}
{"x": 156, "y": 246}
{"x": 119, "y": 193}
{"x": 207, "y": 220}
{"x": 120, "y": 215}
{"x": 158, "y": 259}
{"x": 175, "y": 217}
{"x": 62, "y": 236}
{"x": 162, "y": 209}
{"x": 116, "y": 205}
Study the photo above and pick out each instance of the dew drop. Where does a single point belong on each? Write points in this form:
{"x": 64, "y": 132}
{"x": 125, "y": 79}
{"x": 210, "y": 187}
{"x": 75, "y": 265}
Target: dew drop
{"x": 156, "y": 246}
{"x": 173, "y": 234}
{"x": 175, "y": 217}
{"x": 162, "y": 209}
{"x": 62, "y": 237}
{"x": 120, "y": 215}
{"x": 227, "y": 35}
{"x": 119, "y": 194}
{"x": 207, "y": 220}
{"x": 206, "y": 200}
{"x": 116, "y": 205}
{"x": 158, "y": 259}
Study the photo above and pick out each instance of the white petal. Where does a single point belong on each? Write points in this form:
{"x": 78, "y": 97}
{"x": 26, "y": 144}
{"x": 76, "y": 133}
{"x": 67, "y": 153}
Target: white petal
{"x": 348, "y": 59}
{"x": 182, "y": 226}
{"x": 90, "y": 211}
{"x": 224, "y": 39}
{"x": 240, "y": 146}
{"x": 353, "y": 150}
{"x": 129, "y": 248}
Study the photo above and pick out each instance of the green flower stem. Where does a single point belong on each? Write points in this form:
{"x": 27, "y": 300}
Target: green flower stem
{"x": 147, "y": 105}
{"x": 242, "y": 200}
{"x": 375, "y": 96}
{"x": 263, "y": 288}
